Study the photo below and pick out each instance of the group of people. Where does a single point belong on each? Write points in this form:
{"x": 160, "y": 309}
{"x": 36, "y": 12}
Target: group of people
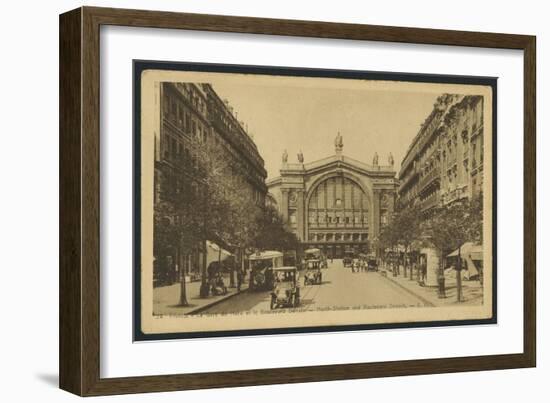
{"x": 359, "y": 265}
{"x": 417, "y": 266}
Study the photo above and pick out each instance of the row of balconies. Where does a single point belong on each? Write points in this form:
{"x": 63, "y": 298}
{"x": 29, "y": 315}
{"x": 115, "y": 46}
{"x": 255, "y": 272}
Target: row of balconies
{"x": 430, "y": 201}
{"x": 427, "y": 179}
{"x": 408, "y": 178}
{"x": 238, "y": 141}
{"x": 454, "y": 194}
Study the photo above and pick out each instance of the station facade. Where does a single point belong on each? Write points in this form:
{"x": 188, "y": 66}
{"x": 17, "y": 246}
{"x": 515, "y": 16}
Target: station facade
{"x": 336, "y": 203}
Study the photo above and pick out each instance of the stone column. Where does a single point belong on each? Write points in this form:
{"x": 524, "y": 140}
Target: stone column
{"x": 391, "y": 203}
{"x": 284, "y": 204}
{"x": 375, "y": 224}
{"x": 300, "y": 215}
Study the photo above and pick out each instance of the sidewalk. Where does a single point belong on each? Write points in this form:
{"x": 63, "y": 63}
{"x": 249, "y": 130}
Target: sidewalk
{"x": 166, "y": 299}
{"x": 472, "y": 292}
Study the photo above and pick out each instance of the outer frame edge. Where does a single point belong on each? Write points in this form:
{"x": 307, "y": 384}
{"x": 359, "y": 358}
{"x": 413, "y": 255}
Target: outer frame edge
{"x": 88, "y": 383}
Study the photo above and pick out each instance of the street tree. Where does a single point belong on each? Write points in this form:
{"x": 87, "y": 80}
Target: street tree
{"x": 273, "y": 232}
{"x": 407, "y": 228}
{"x": 389, "y": 238}
{"x": 194, "y": 206}
{"x": 449, "y": 227}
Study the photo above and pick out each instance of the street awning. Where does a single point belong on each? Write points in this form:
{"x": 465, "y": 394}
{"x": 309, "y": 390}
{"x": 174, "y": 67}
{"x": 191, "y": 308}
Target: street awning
{"x": 469, "y": 250}
{"x": 215, "y": 250}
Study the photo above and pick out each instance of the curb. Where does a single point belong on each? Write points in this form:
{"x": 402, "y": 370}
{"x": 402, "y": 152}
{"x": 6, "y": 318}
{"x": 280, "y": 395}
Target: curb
{"x": 424, "y": 300}
{"x": 211, "y": 304}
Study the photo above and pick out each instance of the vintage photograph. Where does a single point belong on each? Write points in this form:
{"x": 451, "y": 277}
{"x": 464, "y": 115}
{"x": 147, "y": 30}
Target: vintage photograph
{"x": 269, "y": 201}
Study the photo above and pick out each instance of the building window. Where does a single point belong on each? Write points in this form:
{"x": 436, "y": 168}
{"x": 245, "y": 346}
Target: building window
{"x": 481, "y": 151}
{"x": 187, "y": 122}
{"x": 173, "y": 147}
{"x": 173, "y": 107}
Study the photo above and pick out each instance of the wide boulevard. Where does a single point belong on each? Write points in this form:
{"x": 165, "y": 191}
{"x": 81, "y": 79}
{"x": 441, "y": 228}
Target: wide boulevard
{"x": 340, "y": 288}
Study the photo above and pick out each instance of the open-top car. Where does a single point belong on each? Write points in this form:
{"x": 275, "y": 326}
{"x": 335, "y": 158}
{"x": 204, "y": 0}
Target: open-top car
{"x": 287, "y": 290}
{"x": 313, "y": 273}
{"x": 316, "y": 254}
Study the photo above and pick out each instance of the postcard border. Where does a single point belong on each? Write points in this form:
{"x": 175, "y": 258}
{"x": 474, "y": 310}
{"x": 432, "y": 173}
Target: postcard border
{"x": 140, "y": 66}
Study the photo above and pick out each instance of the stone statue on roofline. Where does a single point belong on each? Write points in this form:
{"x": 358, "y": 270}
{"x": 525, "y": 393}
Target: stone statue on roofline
{"x": 339, "y": 143}
{"x": 390, "y": 159}
{"x": 300, "y": 157}
{"x": 375, "y": 159}
{"x": 285, "y": 156}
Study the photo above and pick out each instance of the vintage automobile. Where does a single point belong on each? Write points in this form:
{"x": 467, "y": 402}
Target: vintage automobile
{"x": 372, "y": 264}
{"x": 262, "y": 265}
{"x": 287, "y": 290}
{"x": 348, "y": 258}
{"x": 316, "y": 253}
{"x": 313, "y": 273}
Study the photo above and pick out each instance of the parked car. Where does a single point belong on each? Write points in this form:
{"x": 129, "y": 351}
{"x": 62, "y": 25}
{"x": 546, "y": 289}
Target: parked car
{"x": 313, "y": 273}
{"x": 372, "y": 264}
{"x": 287, "y": 290}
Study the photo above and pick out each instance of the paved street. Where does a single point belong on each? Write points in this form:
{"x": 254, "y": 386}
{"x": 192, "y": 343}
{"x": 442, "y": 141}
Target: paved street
{"x": 340, "y": 287}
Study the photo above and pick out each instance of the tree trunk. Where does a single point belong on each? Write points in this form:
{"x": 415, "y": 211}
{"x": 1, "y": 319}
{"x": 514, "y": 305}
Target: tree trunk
{"x": 441, "y": 276}
{"x": 183, "y": 291}
{"x": 459, "y": 278}
{"x": 405, "y": 264}
{"x": 242, "y": 261}
{"x": 204, "y": 280}
{"x": 232, "y": 276}
{"x": 232, "y": 272}
{"x": 411, "y": 265}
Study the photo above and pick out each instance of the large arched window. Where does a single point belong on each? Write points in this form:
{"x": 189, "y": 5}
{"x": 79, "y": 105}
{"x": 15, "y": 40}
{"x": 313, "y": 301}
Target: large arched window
{"x": 338, "y": 202}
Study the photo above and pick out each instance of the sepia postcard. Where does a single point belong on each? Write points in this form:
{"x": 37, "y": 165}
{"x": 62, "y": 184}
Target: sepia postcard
{"x": 276, "y": 200}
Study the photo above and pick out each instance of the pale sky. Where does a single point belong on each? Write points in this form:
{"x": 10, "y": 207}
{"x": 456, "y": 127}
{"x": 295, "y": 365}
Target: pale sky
{"x": 295, "y": 118}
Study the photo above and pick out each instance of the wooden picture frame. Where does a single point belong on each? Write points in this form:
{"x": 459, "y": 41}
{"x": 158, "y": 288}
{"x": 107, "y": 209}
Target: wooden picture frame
{"x": 79, "y": 346}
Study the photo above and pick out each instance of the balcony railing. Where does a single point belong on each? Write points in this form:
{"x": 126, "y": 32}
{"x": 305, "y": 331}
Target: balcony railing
{"x": 433, "y": 175}
{"x": 430, "y": 201}
{"x": 455, "y": 194}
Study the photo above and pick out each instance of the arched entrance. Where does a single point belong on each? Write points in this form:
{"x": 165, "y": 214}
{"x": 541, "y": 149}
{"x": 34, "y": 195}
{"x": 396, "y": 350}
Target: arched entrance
{"x": 338, "y": 214}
